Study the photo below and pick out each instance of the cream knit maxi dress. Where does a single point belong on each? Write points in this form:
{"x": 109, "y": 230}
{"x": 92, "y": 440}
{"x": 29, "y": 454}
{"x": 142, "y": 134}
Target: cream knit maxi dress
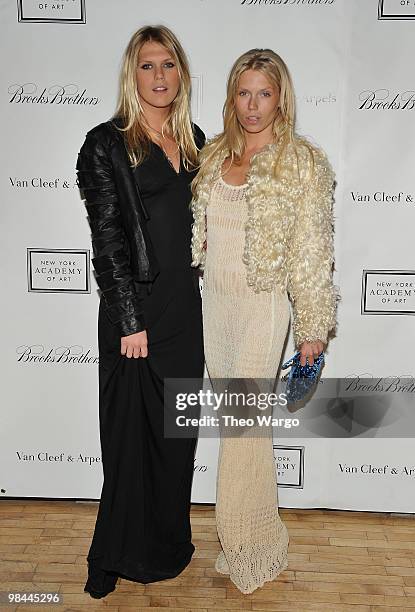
{"x": 244, "y": 333}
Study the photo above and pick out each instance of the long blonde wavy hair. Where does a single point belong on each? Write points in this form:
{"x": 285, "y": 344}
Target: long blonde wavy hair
{"x": 232, "y": 140}
{"x": 129, "y": 110}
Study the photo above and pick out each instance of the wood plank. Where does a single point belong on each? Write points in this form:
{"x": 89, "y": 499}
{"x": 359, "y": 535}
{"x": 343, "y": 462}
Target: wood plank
{"x": 339, "y": 561}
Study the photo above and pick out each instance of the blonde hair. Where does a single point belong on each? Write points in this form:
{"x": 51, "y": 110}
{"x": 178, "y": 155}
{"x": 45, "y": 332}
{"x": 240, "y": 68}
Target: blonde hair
{"x": 232, "y": 140}
{"x": 129, "y": 109}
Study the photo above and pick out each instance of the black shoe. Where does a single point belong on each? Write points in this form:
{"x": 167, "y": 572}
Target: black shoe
{"x": 100, "y": 583}
{"x": 98, "y": 594}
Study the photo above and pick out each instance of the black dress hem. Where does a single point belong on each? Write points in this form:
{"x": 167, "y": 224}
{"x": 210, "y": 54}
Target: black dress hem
{"x": 106, "y": 577}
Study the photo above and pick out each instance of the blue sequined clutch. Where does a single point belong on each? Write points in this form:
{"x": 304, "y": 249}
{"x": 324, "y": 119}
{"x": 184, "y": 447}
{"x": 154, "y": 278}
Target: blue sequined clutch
{"x": 301, "y": 379}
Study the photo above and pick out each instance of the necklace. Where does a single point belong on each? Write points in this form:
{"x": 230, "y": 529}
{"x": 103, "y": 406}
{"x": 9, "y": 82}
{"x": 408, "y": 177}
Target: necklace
{"x": 163, "y": 149}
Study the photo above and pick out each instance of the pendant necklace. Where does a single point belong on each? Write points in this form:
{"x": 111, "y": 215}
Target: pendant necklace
{"x": 163, "y": 149}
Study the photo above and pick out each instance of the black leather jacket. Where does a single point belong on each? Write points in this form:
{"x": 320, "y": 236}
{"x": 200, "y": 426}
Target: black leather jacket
{"x": 123, "y": 254}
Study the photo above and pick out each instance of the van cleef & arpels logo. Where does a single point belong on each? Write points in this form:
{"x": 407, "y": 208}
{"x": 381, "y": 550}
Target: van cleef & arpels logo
{"x": 39, "y": 456}
{"x": 380, "y": 198}
{"x": 59, "y": 95}
{"x": 42, "y": 182}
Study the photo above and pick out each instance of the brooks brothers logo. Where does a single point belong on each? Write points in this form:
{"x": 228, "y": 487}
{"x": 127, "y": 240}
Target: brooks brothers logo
{"x": 288, "y": 2}
{"x": 367, "y": 384}
{"x": 289, "y": 463}
{"x": 61, "y": 355}
{"x": 63, "y": 95}
{"x": 65, "y": 11}
{"x": 384, "y": 99}
{"x": 396, "y": 9}
{"x": 388, "y": 292}
{"x": 379, "y": 198}
{"x": 58, "y": 271}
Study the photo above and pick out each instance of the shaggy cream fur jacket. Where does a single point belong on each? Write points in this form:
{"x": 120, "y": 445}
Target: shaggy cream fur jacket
{"x": 288, "y": 234}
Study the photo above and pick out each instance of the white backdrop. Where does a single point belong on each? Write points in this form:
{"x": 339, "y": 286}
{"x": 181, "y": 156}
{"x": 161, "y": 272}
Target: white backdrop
{"x": 352, "y": 65}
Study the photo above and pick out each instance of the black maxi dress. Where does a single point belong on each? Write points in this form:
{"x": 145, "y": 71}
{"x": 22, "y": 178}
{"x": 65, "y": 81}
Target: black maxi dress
{"x": 143, "y": 527}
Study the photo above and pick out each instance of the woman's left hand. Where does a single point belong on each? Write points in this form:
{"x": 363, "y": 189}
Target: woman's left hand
{"x": 310, "y": 350}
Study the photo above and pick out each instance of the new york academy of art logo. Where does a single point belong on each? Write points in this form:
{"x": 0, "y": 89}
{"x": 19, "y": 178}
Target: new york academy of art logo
{"x": 388, "y": 292}
{"x": 58, "y": 271}
{"x": 396, "y": 9}
{"x": 64, "y": 11}
{"x": 289, "y": 464}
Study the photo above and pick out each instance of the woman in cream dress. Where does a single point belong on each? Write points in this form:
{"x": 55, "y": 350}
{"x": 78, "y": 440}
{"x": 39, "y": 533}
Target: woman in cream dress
{"x": 263, "y": 234}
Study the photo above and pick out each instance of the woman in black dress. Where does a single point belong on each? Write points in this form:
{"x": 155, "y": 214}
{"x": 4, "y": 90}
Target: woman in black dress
{"x": 135, "y": 172}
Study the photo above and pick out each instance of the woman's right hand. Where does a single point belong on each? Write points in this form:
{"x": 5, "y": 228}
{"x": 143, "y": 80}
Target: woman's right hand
{"x": 134, "y": 345}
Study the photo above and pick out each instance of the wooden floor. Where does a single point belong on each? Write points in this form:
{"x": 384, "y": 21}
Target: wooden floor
{"x": 338, "y": 561}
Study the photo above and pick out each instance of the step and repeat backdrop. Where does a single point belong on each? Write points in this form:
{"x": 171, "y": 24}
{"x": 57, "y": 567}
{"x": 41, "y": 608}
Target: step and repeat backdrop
{"x": 352, "y": 66}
